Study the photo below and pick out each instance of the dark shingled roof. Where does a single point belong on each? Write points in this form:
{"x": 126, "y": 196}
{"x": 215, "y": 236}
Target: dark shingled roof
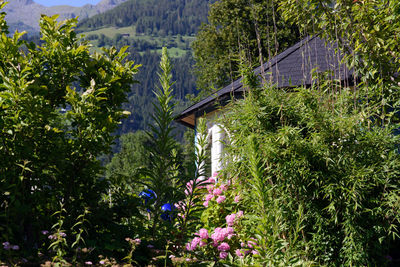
{"x": 291, "y": 68}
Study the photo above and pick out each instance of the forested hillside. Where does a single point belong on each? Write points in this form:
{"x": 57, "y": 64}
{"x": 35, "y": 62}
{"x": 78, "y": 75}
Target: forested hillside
{"x": 146, "y": 27}
{"x": 158, "y": 17}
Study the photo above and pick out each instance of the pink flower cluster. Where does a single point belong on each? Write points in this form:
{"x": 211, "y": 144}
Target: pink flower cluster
{"x": 215, "y": 191}
{"x": 221, "y": 240}
{"x": 220, "y": 234}
{"x": 247, "y": 249}
{"x": 230, "y": 219}
{"x": 217, "y": 237}
{"x": 200, "y": 240}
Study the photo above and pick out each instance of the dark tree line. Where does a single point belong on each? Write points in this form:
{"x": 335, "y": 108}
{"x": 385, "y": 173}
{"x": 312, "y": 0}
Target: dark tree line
{"x": 138, "y": 44}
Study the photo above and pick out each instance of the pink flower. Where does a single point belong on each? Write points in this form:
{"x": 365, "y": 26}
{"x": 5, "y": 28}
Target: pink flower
{"x": 218, "y": 235}
{"x": 223, "y": 255}
{"x": 255, "y": 252}
{"x": 210, "y": 188}
{"x": 224, "y": 187}
{"x": 215, "y": 174}
{"x": 45, "y": 232}
{"x": 209, "y": 197}
{"x": 195, "y": 242}
{"x": 237, "y": 199}
{"x": 203, "y": 233}
{"x": 251, "y": 244}
{"x": 224, "y": 247}
{"x": 229, "y": 230}
{"x": 211, "y": 180}
{"x": 205, "y": 204}
{"x": 239, "y": 253}
{"x": 202, "y": 243}
{"x": 240, "y": 213}
{"x": 220, "y": 199}
{"x": 102, "y": 262}
{"x": 15, "y": 247}
{"x": 180, "y": 205}
{"x": 230, "y": 219}
{"x": 88, "y": 263}
{"x": 137, "y": 241}
{"x": 217, "y": 192}
{"x": 188, "y": 247}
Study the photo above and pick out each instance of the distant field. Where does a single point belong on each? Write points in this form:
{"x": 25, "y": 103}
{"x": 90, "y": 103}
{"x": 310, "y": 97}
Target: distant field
{"x": 177, "y": 45}
{"x": 112, "y": 31}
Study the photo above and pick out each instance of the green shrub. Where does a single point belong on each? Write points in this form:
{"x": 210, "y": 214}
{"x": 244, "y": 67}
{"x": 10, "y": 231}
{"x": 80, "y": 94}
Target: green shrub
{"x": 319, "y": 179}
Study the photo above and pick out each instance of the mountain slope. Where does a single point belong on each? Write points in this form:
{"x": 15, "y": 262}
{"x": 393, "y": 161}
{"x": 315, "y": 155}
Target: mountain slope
{"x": 25, "y": 14}
{"x": 163, "y": 17}
{"x": 146, "y": 26}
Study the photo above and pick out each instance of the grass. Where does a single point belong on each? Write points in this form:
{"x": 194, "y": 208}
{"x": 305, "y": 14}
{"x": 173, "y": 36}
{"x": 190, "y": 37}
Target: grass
{"x": 112, "y": 31}
{"x": 178, "y": 45}
{"x": 174, "y": 52}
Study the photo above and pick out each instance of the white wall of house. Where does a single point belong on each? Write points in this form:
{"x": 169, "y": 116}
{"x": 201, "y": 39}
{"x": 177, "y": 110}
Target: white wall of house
{"x": 216, "y": 139}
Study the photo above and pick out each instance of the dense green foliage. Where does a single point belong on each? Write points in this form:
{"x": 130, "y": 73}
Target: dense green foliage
{"x": 310, "y": 174}
{"x": 145, "y": 48}
{"x": 315, "y": 170}
{"x": 132, "y": 155}
{"x": 165, "y": 17}
{"x": 251, "y": 31}
{"x": 51, "y": 134}
{"x": 317, "y": 178}
{"x": 141, "y": 96}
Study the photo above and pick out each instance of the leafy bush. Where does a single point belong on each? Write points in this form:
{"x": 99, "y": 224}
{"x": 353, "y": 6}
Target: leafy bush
{"x": 319, "y": 180}
{"x": 59, "y": 107}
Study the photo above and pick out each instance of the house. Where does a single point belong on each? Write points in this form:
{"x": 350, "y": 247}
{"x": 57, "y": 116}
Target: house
{"x": 291, "y": 68}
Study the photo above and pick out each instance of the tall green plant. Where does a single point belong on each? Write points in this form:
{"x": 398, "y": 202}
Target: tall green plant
{"x": 191, "y": 207}
{"x": 162, "y": 175}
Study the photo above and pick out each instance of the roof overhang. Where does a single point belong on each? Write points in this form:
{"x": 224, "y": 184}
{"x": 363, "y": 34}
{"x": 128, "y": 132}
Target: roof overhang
{"x": 291, "y": 68}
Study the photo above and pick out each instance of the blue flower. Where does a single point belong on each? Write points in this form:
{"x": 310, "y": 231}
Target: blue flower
{"x": 166, "y": 207}
{"x": 167, "y": 211}
{"x": 147, "y": 195}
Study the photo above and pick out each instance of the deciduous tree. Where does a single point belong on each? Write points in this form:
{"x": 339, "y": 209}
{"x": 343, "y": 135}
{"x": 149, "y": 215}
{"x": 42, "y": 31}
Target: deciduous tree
{"x": 59, "y": 105}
